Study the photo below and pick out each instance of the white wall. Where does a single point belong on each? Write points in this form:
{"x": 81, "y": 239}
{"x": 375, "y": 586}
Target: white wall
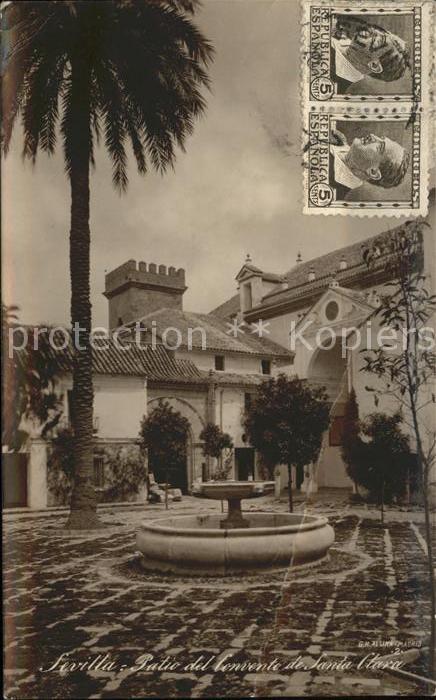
{"x": 205, "y": 360}
{"x": 229, "y": 411}
{"x": 280, "y": 326}
{"x": 120, "y": 402}
{"x": 229, "y": 408}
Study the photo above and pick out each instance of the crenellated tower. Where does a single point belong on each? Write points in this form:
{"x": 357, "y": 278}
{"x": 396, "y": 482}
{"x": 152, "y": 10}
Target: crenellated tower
{"x": 136, "y": 289}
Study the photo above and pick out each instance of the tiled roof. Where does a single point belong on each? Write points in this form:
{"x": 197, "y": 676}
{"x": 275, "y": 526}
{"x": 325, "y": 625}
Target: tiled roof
{"x": 272, "y": 277}
{"x": 153, "y": 362}
{"x": 235, "y": 378}
{"x": 328, "y": 264}
{"x": 228, "y": 309}
{"x": 324, "y": 267}
{"x": 216, "y": 333}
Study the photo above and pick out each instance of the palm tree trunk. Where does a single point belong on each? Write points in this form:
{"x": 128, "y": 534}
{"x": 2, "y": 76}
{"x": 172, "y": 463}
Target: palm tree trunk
{"x": 83, "y": 513}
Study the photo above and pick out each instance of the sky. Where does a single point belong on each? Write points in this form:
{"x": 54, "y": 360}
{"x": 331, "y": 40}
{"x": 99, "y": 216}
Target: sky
{"x": 236, "y": 190}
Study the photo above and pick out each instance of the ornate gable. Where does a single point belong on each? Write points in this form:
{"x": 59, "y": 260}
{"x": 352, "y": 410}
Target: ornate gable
{"x": 337, "y": 308}
{"x": 248, "y": 271}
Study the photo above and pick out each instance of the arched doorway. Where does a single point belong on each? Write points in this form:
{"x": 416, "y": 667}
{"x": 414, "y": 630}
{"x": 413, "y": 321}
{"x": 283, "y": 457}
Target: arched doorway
{"x": 329, "y": 368}
{"x": 178, "y": 477}
{"x": 191, "y": 468}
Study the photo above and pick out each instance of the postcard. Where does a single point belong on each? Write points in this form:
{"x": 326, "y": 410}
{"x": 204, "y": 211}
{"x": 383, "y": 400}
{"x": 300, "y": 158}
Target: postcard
{"x": 218, "y": 349}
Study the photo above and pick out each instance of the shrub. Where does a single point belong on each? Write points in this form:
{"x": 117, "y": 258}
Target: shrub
{"x": 351, "y": 437}
{"x": 124, "y": 469}
{"x": 215, "y": 441}
{"x": 164, "y": 432}
{"x": 60, "y": 467}
{"x": 383, "y": 460}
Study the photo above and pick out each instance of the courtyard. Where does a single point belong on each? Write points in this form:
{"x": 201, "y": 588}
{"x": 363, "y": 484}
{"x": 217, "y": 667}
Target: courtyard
{"x": 124, "y": 633}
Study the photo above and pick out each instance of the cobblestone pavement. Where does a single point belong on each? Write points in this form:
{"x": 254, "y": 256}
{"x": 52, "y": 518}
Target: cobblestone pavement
{"x": 304, "y": 632}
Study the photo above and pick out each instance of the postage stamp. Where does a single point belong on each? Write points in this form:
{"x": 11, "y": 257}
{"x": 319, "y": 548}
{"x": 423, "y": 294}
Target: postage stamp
{"x": 365, "y": 163}
{"x": 357, "y": 53}
{"x": 366, "y": 76}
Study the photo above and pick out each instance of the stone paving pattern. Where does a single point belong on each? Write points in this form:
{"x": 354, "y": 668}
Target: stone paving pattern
{"x": 84, "y": 595}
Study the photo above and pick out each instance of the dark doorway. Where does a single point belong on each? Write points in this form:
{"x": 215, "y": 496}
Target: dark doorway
{"x": 177, "y": 477}
{"x": 244, "y": 460}
{"x": 14, "y": 480}
{"x": 299, "y": 476}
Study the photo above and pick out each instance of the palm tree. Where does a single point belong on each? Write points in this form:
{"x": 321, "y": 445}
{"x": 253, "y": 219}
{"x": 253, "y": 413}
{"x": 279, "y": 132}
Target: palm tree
{"x": 132, "y": 70}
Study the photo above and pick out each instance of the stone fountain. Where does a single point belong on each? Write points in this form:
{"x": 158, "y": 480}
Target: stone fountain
{"x": 199, "y": 545}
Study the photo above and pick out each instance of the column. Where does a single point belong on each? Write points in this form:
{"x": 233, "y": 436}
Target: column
{"x": 37, "y": 474}
{"x": 310, "y": 483}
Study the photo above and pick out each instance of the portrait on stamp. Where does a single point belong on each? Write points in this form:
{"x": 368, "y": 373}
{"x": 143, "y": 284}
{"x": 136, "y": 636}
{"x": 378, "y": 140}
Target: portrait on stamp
{"x": 372, "y": 54}
{"x": 358, "y": 54}
{"x": 368, "y": 154}
{"x": 361, "y": 163}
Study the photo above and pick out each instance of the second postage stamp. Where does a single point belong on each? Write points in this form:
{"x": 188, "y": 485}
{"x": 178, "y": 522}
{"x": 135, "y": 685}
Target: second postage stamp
{"x": 365, "y": 163}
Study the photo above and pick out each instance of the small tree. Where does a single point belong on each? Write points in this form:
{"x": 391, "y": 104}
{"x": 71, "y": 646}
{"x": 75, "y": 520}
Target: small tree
{"x": 215, "y": 441}
{"x": 31, "y": 403}
{"x": 164, "y": 433}
{"x": 350, "y": 437}
{"x": 382, "y": 461}
{"x": 285, "y": 423}
{"x": 406, "y": 373}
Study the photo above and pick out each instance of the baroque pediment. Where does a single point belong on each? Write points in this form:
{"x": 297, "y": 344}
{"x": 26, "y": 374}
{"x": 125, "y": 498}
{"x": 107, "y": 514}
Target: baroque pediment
{"x": 338, "y": 307}
{"x": 248, "y": 271}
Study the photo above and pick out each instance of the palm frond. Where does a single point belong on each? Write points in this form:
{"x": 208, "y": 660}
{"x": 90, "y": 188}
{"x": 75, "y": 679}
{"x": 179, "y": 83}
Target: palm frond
{"x": 143, "y": 78}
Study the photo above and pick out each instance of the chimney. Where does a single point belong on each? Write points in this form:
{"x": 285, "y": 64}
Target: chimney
{"x": 311, "y": 276}
{"x": 343, "y": 263}
{"x": 137, "y": 289}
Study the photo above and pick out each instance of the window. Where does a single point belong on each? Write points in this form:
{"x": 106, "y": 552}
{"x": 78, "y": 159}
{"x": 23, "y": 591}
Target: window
{"x": 247, "y": 296}
{"x": 120, "y": 320}
{"x": 98, "y": 472}
{"x": 142, "y": 332}
{"x": 331, "y": 311}
{"x": 336, "y": 431}
{"x": 266, "y": 366}
{"x": 219, "y": 363}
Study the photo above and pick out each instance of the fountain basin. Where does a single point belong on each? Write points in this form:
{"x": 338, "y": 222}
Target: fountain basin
{"x": 196, "y": 545}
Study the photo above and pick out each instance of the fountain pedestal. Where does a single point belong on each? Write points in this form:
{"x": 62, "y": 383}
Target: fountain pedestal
{"x": 234, "y": 516}
{"x": 233, "y": 492}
